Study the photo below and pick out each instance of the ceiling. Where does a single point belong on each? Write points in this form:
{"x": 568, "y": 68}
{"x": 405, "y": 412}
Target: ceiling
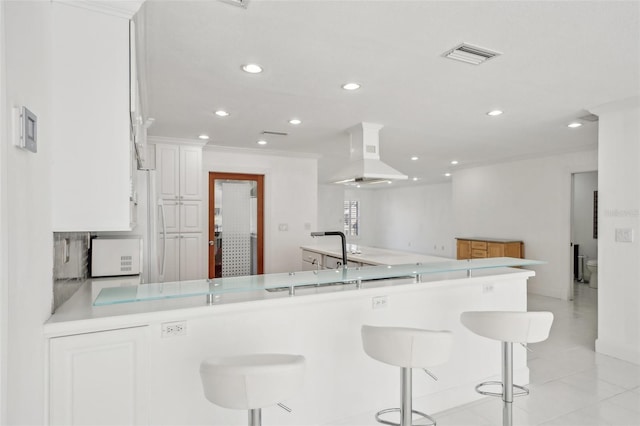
{"x": 559, "y": 58}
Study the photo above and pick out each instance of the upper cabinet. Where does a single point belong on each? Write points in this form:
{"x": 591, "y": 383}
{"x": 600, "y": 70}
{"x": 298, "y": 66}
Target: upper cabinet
{"x": 92, "y": 147}
{"x": 180, "y": 169}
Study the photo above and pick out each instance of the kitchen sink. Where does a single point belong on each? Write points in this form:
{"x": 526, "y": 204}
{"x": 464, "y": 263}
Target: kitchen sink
{"x": 299, "y": 287}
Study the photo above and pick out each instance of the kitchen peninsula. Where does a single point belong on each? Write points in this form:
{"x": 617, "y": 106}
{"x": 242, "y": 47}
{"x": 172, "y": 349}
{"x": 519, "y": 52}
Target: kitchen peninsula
{"x": 328, "y": 255}
{"x": 142, "y": 353}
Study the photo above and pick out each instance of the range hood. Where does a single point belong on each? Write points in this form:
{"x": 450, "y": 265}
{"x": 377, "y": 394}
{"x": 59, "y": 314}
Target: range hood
{"x": 365, "y": 166}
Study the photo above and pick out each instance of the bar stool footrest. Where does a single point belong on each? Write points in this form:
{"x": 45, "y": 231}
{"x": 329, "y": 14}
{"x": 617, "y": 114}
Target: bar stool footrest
{"x": 522, "y": 391}
{"x": 415, "y": 422}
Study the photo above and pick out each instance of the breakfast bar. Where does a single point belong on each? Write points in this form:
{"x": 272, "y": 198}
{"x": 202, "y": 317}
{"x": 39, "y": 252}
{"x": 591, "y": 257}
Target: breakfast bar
{"x": 139, "y": 347}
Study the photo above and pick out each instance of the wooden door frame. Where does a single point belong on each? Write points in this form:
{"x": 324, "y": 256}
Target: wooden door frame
{"x": 212, "y": 206}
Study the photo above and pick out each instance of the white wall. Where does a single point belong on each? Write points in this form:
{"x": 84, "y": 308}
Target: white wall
{"x": 330, "y": 207}
{"x": 582, "y": 213}
{"x": 527, "y": 200}
{"x": 619, "y": 206}
{"x": 414, "y": 218}
{"x": 291, "y": 198}
{"x": 4, "y": 276}
{"x": 27, "y": 219}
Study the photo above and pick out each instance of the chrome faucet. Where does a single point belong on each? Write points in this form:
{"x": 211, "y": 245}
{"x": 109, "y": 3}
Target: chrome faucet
{"x": 344, "y": 243}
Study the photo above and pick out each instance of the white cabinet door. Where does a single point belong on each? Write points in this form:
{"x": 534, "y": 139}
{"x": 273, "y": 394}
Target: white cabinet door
{"x": 180, "y": 170}
{"x": 172, "y": 258}
{"x": 99, "y": 378}
{"x": 172, "y": 215}
{"x": 190, "y": 216}
{"x": 167, "y": 165}
{"x": 90, "y": 133}
{"x": 190, "y": 172}
{"x": 191, "y": 250}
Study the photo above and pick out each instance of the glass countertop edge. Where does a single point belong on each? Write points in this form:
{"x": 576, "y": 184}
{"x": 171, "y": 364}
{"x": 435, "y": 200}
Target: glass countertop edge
{"x": 178, "y": 289}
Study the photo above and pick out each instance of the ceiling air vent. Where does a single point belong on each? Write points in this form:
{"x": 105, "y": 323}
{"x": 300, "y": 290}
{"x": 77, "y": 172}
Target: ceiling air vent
{"x": 269, "y": 132}
{"x": 239, "y": 3}
{"x": 470, "y": 54}
{"x": 589, "y": 117}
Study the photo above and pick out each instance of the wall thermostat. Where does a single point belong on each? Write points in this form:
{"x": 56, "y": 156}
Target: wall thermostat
{"x": 26, "y": 136}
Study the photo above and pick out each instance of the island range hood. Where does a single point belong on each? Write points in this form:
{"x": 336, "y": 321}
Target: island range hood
{"x": 365, "y": 166}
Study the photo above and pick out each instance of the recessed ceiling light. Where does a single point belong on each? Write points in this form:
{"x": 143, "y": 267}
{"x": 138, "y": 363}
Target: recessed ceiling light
{"x": 495, "y": 112}
{"x": 574, "y": 125}
{"x": 262, "y": 142}
{"x": 221, "y": 113}
{"x": 252, "y": 68}
{"x": 415, "y": 179}
{"x": 447, "y": 174}
{"x": 351, "y": 86}
{"x": 203, "y": 137}
{"x": 454, "y": 162}
{"x": 414, "y": 158}
{"x": 295, "y": 121}
{"x": 389, "y": 182}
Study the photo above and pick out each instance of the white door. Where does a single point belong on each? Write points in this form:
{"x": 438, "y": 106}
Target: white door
{"x": 99, "y": 378}
{"x": 191, "y": 256}
{"x": 172, "y": 215}
{"x": 190, "y": 216}
{"x": 172, "y": 258}
{"x": 168, "y": 163}
{"x": 190, "y": 169}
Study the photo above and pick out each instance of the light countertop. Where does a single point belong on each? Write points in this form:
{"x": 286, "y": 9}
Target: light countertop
{"x": 373, "y": 255}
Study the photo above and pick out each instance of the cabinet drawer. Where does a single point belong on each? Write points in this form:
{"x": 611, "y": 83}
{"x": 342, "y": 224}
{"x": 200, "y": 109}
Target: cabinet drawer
{"x": 478, "y": 245}
{"x": 311, "y": 257}
{"x": 478, "y": 254}
{"x": 331, "y": 262}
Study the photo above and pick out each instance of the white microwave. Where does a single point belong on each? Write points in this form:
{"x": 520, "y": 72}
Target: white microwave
{"x": 112, "y": 257}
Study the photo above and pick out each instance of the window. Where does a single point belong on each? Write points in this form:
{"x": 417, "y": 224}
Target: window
{"x": 351, "y": 217}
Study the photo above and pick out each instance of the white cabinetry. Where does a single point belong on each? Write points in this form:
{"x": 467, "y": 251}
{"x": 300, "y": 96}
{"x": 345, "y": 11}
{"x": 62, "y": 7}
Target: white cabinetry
{"x": 99, "y": 378}
{"x": 91, "y": 186}
{"x": 180, "y": 187}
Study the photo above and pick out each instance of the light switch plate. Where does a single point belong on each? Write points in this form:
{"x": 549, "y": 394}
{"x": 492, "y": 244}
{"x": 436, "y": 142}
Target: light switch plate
{"x": 25, "y": 129}
{"x": 624, "y": 235}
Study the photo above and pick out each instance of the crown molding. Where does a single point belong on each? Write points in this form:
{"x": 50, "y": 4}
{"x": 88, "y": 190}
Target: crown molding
{"x": 175, "y": 141}
{"x": 120, "y": 8}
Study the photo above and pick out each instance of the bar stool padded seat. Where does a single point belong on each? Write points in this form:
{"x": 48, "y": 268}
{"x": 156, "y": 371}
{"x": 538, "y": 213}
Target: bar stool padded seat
{"x": 509, "y": 326}
{"x": 407, "y": 347}
{"x": 251, "y": 381}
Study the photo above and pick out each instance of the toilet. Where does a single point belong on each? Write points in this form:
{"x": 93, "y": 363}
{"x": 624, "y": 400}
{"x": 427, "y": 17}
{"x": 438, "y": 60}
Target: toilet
{"x": 591, "y": 274}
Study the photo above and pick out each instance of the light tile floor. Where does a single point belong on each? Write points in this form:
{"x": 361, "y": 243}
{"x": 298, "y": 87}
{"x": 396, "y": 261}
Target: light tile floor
{"x": 571, "y": 385}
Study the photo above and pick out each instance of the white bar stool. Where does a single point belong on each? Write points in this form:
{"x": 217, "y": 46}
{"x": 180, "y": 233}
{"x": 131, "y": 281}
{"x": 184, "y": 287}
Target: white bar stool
{"x": 406, "y": 348}
{"x": 508, "y": 327}
{"x": 251, "y": 382}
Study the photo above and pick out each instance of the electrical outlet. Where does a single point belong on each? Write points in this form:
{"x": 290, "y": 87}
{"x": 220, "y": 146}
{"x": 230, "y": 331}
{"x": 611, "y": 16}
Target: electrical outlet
{"x": 172, "y": 329}
{"x": 487, "y": 288}
{"x": 379, "y": 302}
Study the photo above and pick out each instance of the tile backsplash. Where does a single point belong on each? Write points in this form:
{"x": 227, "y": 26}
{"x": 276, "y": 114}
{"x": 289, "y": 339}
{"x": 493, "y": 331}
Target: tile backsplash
{"x": 70, "y": 264}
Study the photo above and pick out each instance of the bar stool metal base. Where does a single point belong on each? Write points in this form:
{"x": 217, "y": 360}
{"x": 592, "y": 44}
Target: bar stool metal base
{"x": 419, "y": 422}
{"x": 523, "y": 391}
{"x": 255, "y": 417}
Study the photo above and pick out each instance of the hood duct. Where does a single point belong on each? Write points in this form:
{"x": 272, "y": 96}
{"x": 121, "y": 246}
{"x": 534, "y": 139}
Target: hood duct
{"x": 365, "y": 166}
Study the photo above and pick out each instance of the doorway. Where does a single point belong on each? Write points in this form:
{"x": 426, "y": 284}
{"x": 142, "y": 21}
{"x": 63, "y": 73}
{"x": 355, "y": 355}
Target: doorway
{"x": 236, "y": 224}
{"x": 584, "y": 242}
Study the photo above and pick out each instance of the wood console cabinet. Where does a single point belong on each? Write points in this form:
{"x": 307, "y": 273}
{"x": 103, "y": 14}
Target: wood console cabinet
{"x": 478, "y": 248}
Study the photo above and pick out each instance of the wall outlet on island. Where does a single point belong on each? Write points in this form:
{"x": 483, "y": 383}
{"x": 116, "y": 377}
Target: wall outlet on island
{"x": 487, "y": 288}
{"x": 172, "y": 329}
{"x": 379, "y": 302}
